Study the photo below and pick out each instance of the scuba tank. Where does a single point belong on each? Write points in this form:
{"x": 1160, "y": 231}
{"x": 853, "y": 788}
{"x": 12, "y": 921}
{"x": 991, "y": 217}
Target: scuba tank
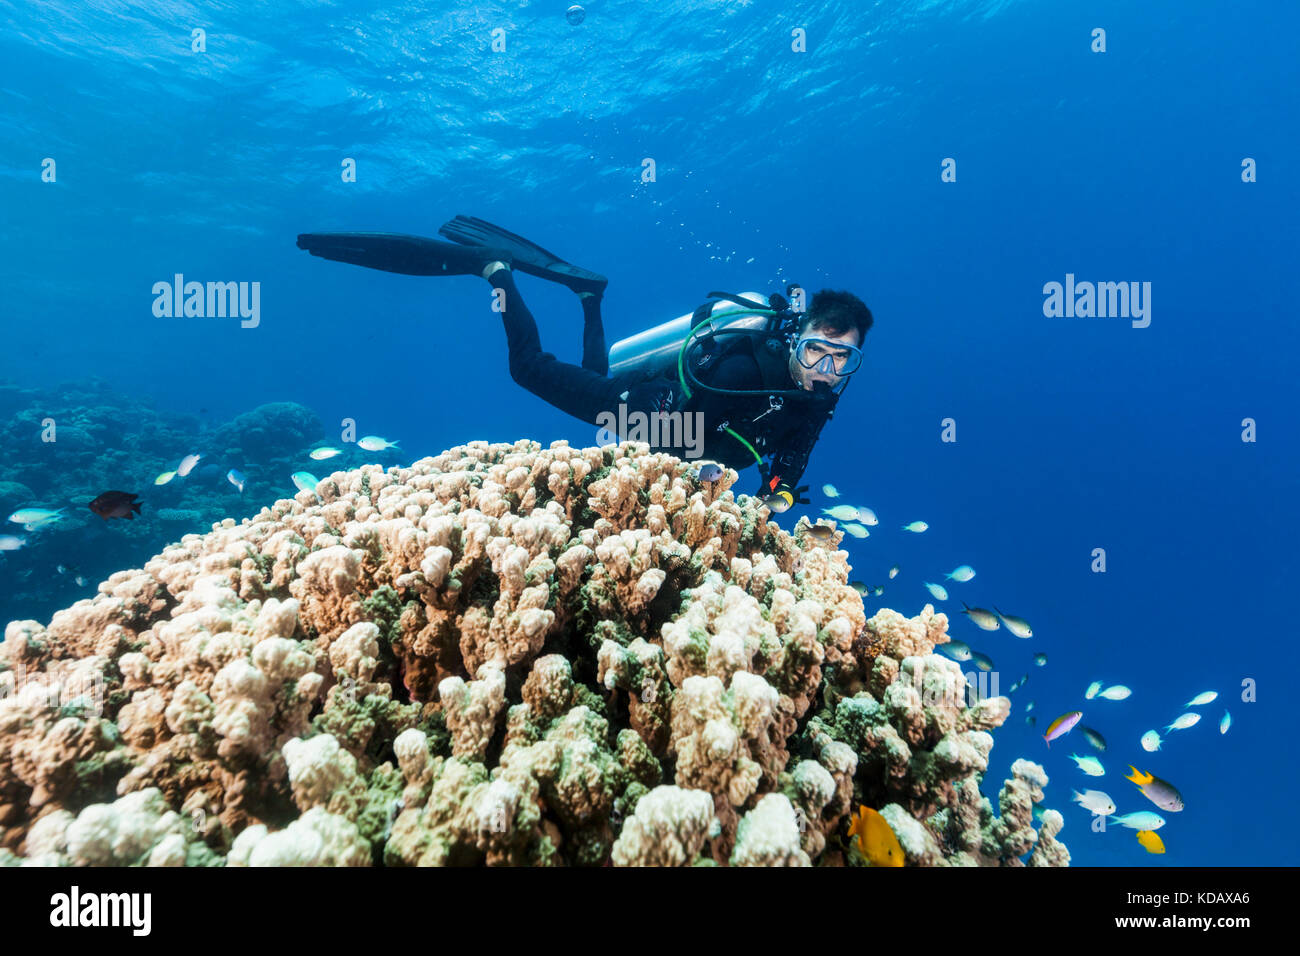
{"x": 683, "y": 346}
{"x": 655, "y": 350}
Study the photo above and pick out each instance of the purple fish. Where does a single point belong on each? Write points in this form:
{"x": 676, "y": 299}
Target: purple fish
{"x": 1062, "y": 725}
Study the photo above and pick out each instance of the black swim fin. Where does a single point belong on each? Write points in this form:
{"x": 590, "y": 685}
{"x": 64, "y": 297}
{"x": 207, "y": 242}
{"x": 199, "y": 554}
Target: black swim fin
{"x": 409, "y": 255}
{"x": 528, "y": 256}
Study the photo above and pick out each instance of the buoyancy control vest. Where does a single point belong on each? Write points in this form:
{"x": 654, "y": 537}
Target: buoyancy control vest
{"x": 685, "y": 348}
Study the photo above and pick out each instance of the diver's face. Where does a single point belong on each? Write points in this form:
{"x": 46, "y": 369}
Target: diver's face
{"x": 806, "y": 378}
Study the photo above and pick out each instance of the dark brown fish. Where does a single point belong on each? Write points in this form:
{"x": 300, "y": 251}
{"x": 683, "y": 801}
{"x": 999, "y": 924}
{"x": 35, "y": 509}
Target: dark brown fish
{"x": 116, "y": 504}
{"x": 821, "y": 532}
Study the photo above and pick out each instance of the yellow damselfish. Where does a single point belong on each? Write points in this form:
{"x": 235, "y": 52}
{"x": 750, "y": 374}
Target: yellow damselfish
{"x": 876, "y": 840}
{"x": 1151, "y": 841}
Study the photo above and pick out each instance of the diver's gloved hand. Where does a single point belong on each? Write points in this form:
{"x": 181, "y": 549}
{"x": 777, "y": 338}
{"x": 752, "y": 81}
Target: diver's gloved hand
{"x": 796, "y": 493}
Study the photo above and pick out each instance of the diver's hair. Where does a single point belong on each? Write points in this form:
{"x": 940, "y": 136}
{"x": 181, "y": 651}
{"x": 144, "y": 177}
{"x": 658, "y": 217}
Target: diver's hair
{"x": 835, "y": 312}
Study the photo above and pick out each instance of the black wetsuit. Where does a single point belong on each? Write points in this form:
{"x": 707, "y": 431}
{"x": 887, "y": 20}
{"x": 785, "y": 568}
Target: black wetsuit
{"x": 784, "y": 436}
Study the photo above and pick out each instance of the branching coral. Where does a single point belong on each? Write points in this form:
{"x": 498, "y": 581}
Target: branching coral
{"x": 501, "y": 655}
{"x": 922, "y": 736}
{"x": 669, "y": 828}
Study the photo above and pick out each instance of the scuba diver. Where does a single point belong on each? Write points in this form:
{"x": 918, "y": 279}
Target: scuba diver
{"x": 764, "y": 377}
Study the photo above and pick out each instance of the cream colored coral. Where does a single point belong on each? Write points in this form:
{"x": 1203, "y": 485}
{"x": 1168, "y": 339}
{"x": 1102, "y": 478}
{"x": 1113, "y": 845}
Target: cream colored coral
{"x": 668, "y": 828}
{"x": 717, "y": 733}
{"x": 713, "y": 636}
{"x": 242, "y": 697}
{"x": 496, "y": 818}
{"x": 769, "y": 835}
{"x": 121, "y": 833}
{"x": 321, "y": 772}
{"x": 325, "y": 587}
{"x": 317, "y": 838}
{"x": 813, "y": 790}
{"x": 355, "y": 654}
{"x": 1048, "y": 851}
{"x": 472, "y": 710}
{"x": 919, "y": 846}
{"x": 1012, "y": 834}
{"x": 908, "y": 637}
{"x": 189, "y": 709}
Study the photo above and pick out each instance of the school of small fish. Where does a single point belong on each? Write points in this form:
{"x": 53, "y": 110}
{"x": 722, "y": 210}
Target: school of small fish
{"x": 305, "y": 481}
{"x": 1160, "y": 792}
{"x": 1062, "y": 725}
{"x": 984, "y": 620}
{"x": 1098, "y": 801}
{"x": 961, "y": 574}
{"x": 875, "y": 841}
{"x": 1094, "y": 738}
{"x": 841, "y": 512}
{"x": 125, "y": 505}
{"x": 1142, "y": 820}
{"x": 822, "y": 532}
{"x": 36, "y": 519}
{"x": 957, "y": 650}
{"x": 1183, "y": 721}
{"x": 1016, "y": 625}
{"x": 1089, "y": 765}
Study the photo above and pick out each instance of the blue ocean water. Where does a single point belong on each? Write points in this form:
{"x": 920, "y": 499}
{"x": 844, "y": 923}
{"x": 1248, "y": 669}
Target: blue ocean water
{"x": 822, "y": 167}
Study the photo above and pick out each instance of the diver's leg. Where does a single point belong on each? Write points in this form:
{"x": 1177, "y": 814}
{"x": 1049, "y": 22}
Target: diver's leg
{"x": 595, "y": 355}
{"x": 582, "y": 393}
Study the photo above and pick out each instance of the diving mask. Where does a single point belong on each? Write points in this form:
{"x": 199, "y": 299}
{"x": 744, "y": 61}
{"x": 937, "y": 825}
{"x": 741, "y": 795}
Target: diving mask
{"x": 827, "y": 357}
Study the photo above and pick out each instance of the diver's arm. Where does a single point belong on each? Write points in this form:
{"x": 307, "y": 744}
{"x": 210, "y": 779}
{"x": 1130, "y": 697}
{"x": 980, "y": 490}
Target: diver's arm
{"x": 790, "y": 461}
{"x": 740, "y": 371}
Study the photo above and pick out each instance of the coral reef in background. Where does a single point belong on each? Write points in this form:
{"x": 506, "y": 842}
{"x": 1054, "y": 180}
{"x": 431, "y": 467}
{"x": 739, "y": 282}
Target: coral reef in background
{"x": 270, "y": 433}
{"x": 501, "y": 655}
{"x": 107, "y": 440}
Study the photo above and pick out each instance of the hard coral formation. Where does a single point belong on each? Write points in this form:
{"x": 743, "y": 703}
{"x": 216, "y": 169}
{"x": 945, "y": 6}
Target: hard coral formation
{"x": 921, "y": 733}
{"x": 64, "y": 446}
{"x": 502, "y": 655}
